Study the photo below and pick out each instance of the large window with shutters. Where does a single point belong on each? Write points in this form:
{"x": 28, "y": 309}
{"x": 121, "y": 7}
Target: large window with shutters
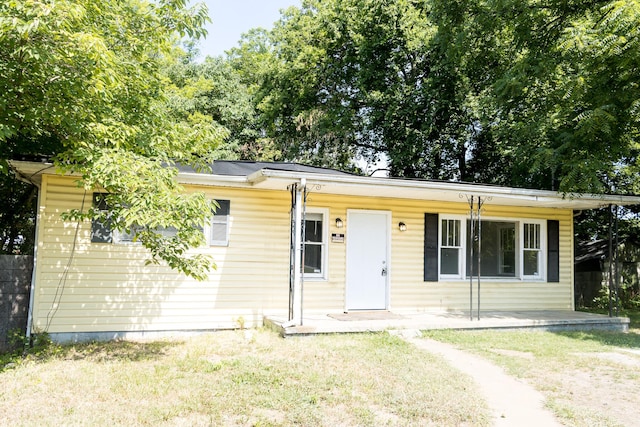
{"x": 519, "y": 249}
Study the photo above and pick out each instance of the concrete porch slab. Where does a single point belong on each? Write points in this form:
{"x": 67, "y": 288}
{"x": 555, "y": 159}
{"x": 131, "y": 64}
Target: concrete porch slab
{"x": 375, "y": 321}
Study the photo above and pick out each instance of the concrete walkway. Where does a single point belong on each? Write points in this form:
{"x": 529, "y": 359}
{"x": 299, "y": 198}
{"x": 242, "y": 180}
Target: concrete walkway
{"x": 512, "y": 402}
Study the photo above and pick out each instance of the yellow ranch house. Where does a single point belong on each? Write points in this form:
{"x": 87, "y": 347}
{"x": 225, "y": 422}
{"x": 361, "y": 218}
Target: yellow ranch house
{"x": 291, "y": 240}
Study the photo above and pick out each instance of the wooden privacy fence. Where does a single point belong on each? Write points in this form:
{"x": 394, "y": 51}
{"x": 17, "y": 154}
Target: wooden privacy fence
{"x": 15, "y": 282}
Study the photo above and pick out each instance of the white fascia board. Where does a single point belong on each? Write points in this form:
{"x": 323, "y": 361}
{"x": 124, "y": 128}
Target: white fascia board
{"x": 428, "y": 190}
{"x": 376, "y": 187}
{"x": 213, "y": 180}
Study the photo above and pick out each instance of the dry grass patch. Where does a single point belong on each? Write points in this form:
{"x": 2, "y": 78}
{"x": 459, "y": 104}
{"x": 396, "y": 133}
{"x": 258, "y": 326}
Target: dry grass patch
{"x": 226, "y": 379}
{"x": 588, "y": 378}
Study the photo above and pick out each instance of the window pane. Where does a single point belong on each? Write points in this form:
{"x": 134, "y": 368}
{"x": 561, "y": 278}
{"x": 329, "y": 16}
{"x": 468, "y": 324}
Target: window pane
{"x": 218, "y": 232}
{"x": 312, "y": 258}
{"x": 497, "y": 246}
{"x": 450, "y": 232}
{"x": 313, "y": 230}
{"x": 531, "y": 263}
{"x": 532, "y": 236}
{"x": 167, "y": 231}
{"x": 449, "y": 261}
{"x": 223, "y": 207}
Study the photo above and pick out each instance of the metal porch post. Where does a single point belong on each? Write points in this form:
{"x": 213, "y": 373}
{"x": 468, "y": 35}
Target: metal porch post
{"x": 471, "y": 239}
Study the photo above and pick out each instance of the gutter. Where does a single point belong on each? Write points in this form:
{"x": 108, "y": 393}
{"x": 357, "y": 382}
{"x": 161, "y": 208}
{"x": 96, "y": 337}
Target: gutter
{"x": 538, "y": 196}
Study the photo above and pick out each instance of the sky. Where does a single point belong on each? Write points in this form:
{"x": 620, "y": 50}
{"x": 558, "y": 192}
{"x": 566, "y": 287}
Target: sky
{"x": 231, "y": 18}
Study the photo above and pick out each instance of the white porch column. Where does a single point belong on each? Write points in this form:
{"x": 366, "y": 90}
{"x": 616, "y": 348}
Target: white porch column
{"x": 297, "y": 260}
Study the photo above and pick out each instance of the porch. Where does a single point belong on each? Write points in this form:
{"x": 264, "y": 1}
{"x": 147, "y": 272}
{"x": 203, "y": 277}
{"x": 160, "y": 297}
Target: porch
{"x": 375, "y": 321}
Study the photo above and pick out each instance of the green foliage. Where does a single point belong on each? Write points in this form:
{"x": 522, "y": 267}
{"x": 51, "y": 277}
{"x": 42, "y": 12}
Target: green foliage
{"x": 87, "y": 79}
{"x": 21, "y": 348}
{"x": 216, "y": 89}
{"x": 16, "y": 340}
{"x": 561, "y": 88}
{"x": 522, "y": 93}
{"x": 17, "y": 215}
{"x": 348, "y": 79}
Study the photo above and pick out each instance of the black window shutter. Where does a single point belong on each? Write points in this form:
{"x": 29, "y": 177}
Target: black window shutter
{"x": 101, "y": 230}
{"x": 553, "y": 251}
{"x": 430, "y": 247}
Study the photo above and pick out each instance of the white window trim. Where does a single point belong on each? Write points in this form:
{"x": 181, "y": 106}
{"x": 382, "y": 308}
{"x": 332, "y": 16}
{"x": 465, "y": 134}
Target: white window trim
{"x": 208, "y": 229}
{"x": 519, "y": 252}
{"x": 463, "y": 247}
{"x": 542, "y": 260}
{"x": 323, "y": 275}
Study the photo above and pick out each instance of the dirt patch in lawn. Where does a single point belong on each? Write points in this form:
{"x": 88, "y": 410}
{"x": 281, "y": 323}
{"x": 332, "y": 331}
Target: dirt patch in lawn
{"x": 597, "y": 388}
{"x": 588, "y": 378}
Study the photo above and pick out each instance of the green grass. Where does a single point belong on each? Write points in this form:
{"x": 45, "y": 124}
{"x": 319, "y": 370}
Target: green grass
{"x": 227, "y": 379}
{"x": 588, "y": 378}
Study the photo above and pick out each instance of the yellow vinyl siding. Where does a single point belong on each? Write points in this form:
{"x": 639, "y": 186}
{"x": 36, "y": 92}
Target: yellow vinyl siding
{"x": 92, "y": 287}
{"x": 107, "y": 287}
{"x": 408, "y": 291}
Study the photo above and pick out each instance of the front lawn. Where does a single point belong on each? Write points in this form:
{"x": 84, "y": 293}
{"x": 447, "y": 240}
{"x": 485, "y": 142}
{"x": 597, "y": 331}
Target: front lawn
{"x": 244, "y": 378}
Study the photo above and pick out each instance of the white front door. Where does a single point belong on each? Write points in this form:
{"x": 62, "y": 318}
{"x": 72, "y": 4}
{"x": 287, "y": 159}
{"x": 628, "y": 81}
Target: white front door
{"x": 367, "y": 260}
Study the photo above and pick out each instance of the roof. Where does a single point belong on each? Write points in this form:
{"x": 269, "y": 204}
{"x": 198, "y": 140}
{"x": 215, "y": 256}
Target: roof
{"x": 279, "y": 176}
{"x": 246, "y": 168}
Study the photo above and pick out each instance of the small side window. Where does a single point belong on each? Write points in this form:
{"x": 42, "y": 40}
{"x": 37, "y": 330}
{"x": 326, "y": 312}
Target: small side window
{"x": 219, "y": 233}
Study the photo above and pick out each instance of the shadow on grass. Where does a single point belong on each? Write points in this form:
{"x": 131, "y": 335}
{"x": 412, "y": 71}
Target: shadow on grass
{"x": 92, "y": 351}
{"x": 116, "y": 350}
{"x": 617, "y": 339}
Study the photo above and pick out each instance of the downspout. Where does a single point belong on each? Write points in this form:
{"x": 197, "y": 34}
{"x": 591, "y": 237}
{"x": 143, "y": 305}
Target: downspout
{"x": 32, "y": 288}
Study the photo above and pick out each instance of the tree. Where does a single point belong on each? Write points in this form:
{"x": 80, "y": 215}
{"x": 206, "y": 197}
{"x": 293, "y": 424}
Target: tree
{"x": 17, "y": 219}
{"x": 88, "y": 77}
{"x": 559, "y": 80}
{"x": 215, "y": 88}
{"x": 364, "y": 78}
{"x": 524, "y": 93}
